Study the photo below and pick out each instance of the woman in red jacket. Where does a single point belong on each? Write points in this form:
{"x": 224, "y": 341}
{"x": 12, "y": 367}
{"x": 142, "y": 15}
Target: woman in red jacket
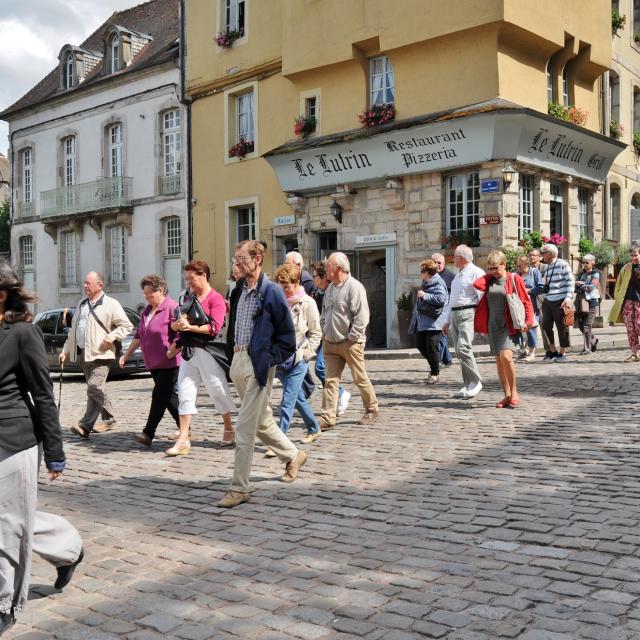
{"x": 494, "y": 318}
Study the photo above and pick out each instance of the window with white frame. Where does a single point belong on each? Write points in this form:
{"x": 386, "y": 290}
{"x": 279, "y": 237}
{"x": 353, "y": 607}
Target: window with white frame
{"x": 114, "y": 53}
{"x": 115, "y": 150}
{"x": 245, "y": 117}
{"x": 173, "y": 255}
{"x": 171, "y": 142}
{"x": 583, "y": 212}
{"x": 245, "y": 223}
{"x": 234, "y": 15}
{"x": 118, "y": 254}
{"x": 27, "y": 176}
{"x": 68, "y": 71}
{"x": 69, "y": 153}
{"x": 463, "y": 204}
{"x": 68, "y": 261}
{"x": 549, "y": 83}
{"x": 25, "y": 260}
{"x": 381, "y": 83}
{"x": 525, "y": 204}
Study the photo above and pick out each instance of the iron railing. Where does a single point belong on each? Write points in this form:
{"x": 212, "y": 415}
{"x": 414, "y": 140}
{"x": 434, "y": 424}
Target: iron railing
{"x": 169, "y": 184}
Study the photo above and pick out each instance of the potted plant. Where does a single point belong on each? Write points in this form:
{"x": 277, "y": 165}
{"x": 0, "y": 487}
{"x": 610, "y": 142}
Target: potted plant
{"x": 512, "y": 254}
{"x": 585, "y": 245}
{"x": 603, "y": 253}
{"x": 240, "y": 149}
{"x": 554, "y": 238}
{"x": 377, "y": 114}
{"x": 405, "y": 309}
{"x": 227, "y": 37}
{"x": 617, "y": 22}
{"x": 460, "y": 237}
{"x": 572, "y": 114}
{"x": 304, "y": 126}
{"x": 531, "y": 240}
{"x": 615, "y": 129}
{"x": 636, "y": 143}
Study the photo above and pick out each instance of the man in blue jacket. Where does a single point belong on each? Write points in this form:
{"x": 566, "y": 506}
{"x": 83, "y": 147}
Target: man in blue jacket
{"x": 259, "y": 337}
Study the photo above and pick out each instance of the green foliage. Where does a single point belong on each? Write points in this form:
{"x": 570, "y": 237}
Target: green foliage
{"x": 405, "y": 302}
{"x": 603, "y": 253}
{"x": 617, "y": 21}
{"x": 585, "y": 245}
{"x": 636, "y": 143}
{"x": 5, "y": 226}
{"x": 512, "y": 254}
{"x": 460, "y": 237}
{"x": 532, "y": 240}
{"x": 622, "y": 254}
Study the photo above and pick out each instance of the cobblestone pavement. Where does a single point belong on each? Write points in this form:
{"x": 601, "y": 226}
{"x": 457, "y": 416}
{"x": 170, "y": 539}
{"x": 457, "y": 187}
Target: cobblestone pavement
{"x": 446, "y": 519}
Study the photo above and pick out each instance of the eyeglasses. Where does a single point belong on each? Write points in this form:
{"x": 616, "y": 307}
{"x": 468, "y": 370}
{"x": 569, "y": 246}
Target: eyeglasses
{"x": 496, "y": 268}
{"x": 241, "y": 259}
{"x": 586, "y": 262}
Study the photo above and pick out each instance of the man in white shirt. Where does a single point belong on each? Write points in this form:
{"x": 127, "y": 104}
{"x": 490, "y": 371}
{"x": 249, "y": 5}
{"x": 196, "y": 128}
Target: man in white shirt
{"x": 458, "y": 318}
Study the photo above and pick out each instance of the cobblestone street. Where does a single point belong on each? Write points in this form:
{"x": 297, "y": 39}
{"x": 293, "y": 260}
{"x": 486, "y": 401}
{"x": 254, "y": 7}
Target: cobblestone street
{"x": 446, "y": 519}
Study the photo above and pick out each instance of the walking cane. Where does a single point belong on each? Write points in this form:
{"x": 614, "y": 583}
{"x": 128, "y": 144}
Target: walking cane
{"x": 60, "y": 387}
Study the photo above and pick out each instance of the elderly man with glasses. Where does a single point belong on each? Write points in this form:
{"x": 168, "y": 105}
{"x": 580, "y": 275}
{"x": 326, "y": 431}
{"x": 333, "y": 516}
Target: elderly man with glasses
{"x": 558, "y": 288}
{"x": 458, "y": 318}
{"x": 447, "y": 275}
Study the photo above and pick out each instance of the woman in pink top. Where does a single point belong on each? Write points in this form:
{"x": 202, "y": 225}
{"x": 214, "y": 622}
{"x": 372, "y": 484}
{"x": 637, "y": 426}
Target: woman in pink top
{"x": 198, "y": 365}
{"x": 153, "y": 337}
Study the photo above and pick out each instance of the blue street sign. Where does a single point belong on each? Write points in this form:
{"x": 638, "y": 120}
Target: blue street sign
{"x": 491, "y": 185}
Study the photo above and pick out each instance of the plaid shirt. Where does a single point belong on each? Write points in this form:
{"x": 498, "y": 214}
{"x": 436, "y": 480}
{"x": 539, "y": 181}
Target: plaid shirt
{"x": 245, "y": 314}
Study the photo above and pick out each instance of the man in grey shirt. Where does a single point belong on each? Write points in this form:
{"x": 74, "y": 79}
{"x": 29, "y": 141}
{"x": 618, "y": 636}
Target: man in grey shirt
{"x": 344, "y": 320}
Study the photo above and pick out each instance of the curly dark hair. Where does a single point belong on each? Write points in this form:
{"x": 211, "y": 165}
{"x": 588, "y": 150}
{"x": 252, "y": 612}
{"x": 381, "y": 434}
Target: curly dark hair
{"x": 157, "y": 283}
{"x": 319, "y": 269}
{"x": 15, "y": 306}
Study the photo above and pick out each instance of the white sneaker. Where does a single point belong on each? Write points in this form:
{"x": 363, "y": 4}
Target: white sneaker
{"x": 474, "y": 390}
{"x": 530, "y": 358}
{"x": 461, "y": 393}
{"x": 343, "y": 403}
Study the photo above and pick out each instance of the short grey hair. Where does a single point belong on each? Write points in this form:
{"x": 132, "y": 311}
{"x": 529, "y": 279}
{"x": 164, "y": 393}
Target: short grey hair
{"x": 589, "y": 257}
{"x": 340, "y": 260}
{"x": 437, "y": 256}
{"x": 549, "y": 248}
{"x": 463, "y": 251}
{"x": 296, "y": 258}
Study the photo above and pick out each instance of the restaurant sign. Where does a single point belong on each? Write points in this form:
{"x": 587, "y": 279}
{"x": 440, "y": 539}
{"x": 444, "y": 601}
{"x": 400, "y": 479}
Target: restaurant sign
{"x": 519, "y": 134}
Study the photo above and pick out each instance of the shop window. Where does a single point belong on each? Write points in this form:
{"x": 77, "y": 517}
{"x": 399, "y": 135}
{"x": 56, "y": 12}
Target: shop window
{"x": 381, "y": 81}
{"x": 525, "y": 204}
{"x": 173, "y": 255}
{"x": 556, "y": 208}
{"x": 463, "y": 205}
{"x": 583, "y": 213}
{"x": 612, "y": 229}
{"x": 327, "y": 243}
{"x": 68, "y": 259}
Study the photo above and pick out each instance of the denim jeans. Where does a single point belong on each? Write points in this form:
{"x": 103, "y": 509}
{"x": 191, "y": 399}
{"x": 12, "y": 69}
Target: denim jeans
{"x": 445, "y": 356}
{"x": 293, "y": 397}
{"x": 321, "y": 370}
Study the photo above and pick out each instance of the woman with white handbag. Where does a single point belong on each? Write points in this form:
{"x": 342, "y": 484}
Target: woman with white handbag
{"x": 503, "y": 311}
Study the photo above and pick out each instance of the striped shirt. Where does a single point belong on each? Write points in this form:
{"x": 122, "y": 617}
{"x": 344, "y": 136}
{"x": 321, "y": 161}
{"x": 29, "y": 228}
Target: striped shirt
{"x": 559, "y": 280}
{"x": 245, "y": 315}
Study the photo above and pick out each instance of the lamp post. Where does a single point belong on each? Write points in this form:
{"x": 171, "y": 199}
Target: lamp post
{"x": 336, "y": 212}
{"x": 508, "y": 173}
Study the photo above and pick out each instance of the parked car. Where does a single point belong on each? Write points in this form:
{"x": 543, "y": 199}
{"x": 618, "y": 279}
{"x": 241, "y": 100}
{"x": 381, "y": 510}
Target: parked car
{"x": 55, "y": 330}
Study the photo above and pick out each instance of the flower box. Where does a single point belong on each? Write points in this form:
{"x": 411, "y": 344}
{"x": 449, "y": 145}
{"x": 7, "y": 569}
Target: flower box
{"x": 241, "y": 149}
{"x": 227, "y": 37}
{"x": 377, "y": 114}
{"x": 304, "y": 126}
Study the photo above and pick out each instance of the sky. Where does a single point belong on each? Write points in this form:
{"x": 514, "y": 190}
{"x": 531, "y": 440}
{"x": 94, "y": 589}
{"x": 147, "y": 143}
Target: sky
{"x": 32, "y": 32}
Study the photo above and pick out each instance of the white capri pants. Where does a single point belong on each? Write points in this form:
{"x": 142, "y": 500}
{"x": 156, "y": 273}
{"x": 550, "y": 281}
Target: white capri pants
{"x": 203, "y": 369}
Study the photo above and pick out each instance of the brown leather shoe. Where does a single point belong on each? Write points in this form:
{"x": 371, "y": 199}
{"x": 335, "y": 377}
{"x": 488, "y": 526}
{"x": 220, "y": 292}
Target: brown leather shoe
{"x": 233, "y": 499}
{"x": 103, "y": 427}
{"x": 142, "y": 438}
{"x": 324, "y": 425}
{"x": 369, "y": 418}
{"x": 293, "y": 467}
{"x": 79, "y": 431}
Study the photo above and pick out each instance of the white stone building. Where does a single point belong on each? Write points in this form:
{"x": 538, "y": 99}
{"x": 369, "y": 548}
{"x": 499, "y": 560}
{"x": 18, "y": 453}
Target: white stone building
{"x": 98, "y": 162}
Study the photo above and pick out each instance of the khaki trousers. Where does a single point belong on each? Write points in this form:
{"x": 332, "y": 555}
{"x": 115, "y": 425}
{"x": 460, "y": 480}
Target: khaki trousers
{"x": 98, "y": 403}
{"x": 337, "y": 355}
{"x": 255, "y": 419}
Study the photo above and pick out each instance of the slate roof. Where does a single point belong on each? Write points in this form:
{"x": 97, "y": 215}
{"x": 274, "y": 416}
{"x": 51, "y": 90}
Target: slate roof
{"x": 157, "y": 18}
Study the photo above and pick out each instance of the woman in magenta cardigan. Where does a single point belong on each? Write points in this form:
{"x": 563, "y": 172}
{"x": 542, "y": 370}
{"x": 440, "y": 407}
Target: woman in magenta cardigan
{"x": 494, "y": 319}
{"x": 154, "y": 337}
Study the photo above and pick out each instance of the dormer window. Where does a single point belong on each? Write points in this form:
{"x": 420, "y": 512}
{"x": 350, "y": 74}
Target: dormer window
{"x": 68, "y": 71}
{"x": 114, "y": 53}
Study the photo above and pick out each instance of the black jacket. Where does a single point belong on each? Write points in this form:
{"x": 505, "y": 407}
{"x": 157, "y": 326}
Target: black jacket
{"x": 24, "y": 369}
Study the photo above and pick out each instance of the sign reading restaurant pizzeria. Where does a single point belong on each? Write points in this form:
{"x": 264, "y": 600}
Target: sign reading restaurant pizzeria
{"x": 519, "y": 134}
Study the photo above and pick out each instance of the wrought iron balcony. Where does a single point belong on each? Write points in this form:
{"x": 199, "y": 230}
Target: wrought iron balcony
{"x": 105, "y": 193}
{"x": 169, "y": 185}
{"x": 25, "y": 209}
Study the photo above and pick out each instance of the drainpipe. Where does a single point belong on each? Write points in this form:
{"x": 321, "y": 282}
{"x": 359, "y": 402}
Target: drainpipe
{"x": 604, "y": 130}
{"x": 187, "y": 104}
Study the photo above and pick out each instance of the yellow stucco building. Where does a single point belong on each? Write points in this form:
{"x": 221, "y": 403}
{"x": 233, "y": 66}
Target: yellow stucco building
{"x": 462, "y": 148}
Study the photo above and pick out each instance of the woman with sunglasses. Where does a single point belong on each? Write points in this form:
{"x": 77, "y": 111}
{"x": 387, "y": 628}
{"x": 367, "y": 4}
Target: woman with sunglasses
{"x": 494, "y": 318}
{"x": 587, "y": 300}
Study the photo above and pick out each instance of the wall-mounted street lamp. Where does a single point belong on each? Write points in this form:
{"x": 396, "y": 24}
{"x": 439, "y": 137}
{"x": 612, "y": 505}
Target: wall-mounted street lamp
{"x": 508, "y": 174}
{"x": 336, "y": 212}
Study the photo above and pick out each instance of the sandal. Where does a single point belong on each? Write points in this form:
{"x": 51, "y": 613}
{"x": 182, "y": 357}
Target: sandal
{"x": 226, "y": 443}
{"x": 180, "y": 448}
{"x": 632, "y": 358}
